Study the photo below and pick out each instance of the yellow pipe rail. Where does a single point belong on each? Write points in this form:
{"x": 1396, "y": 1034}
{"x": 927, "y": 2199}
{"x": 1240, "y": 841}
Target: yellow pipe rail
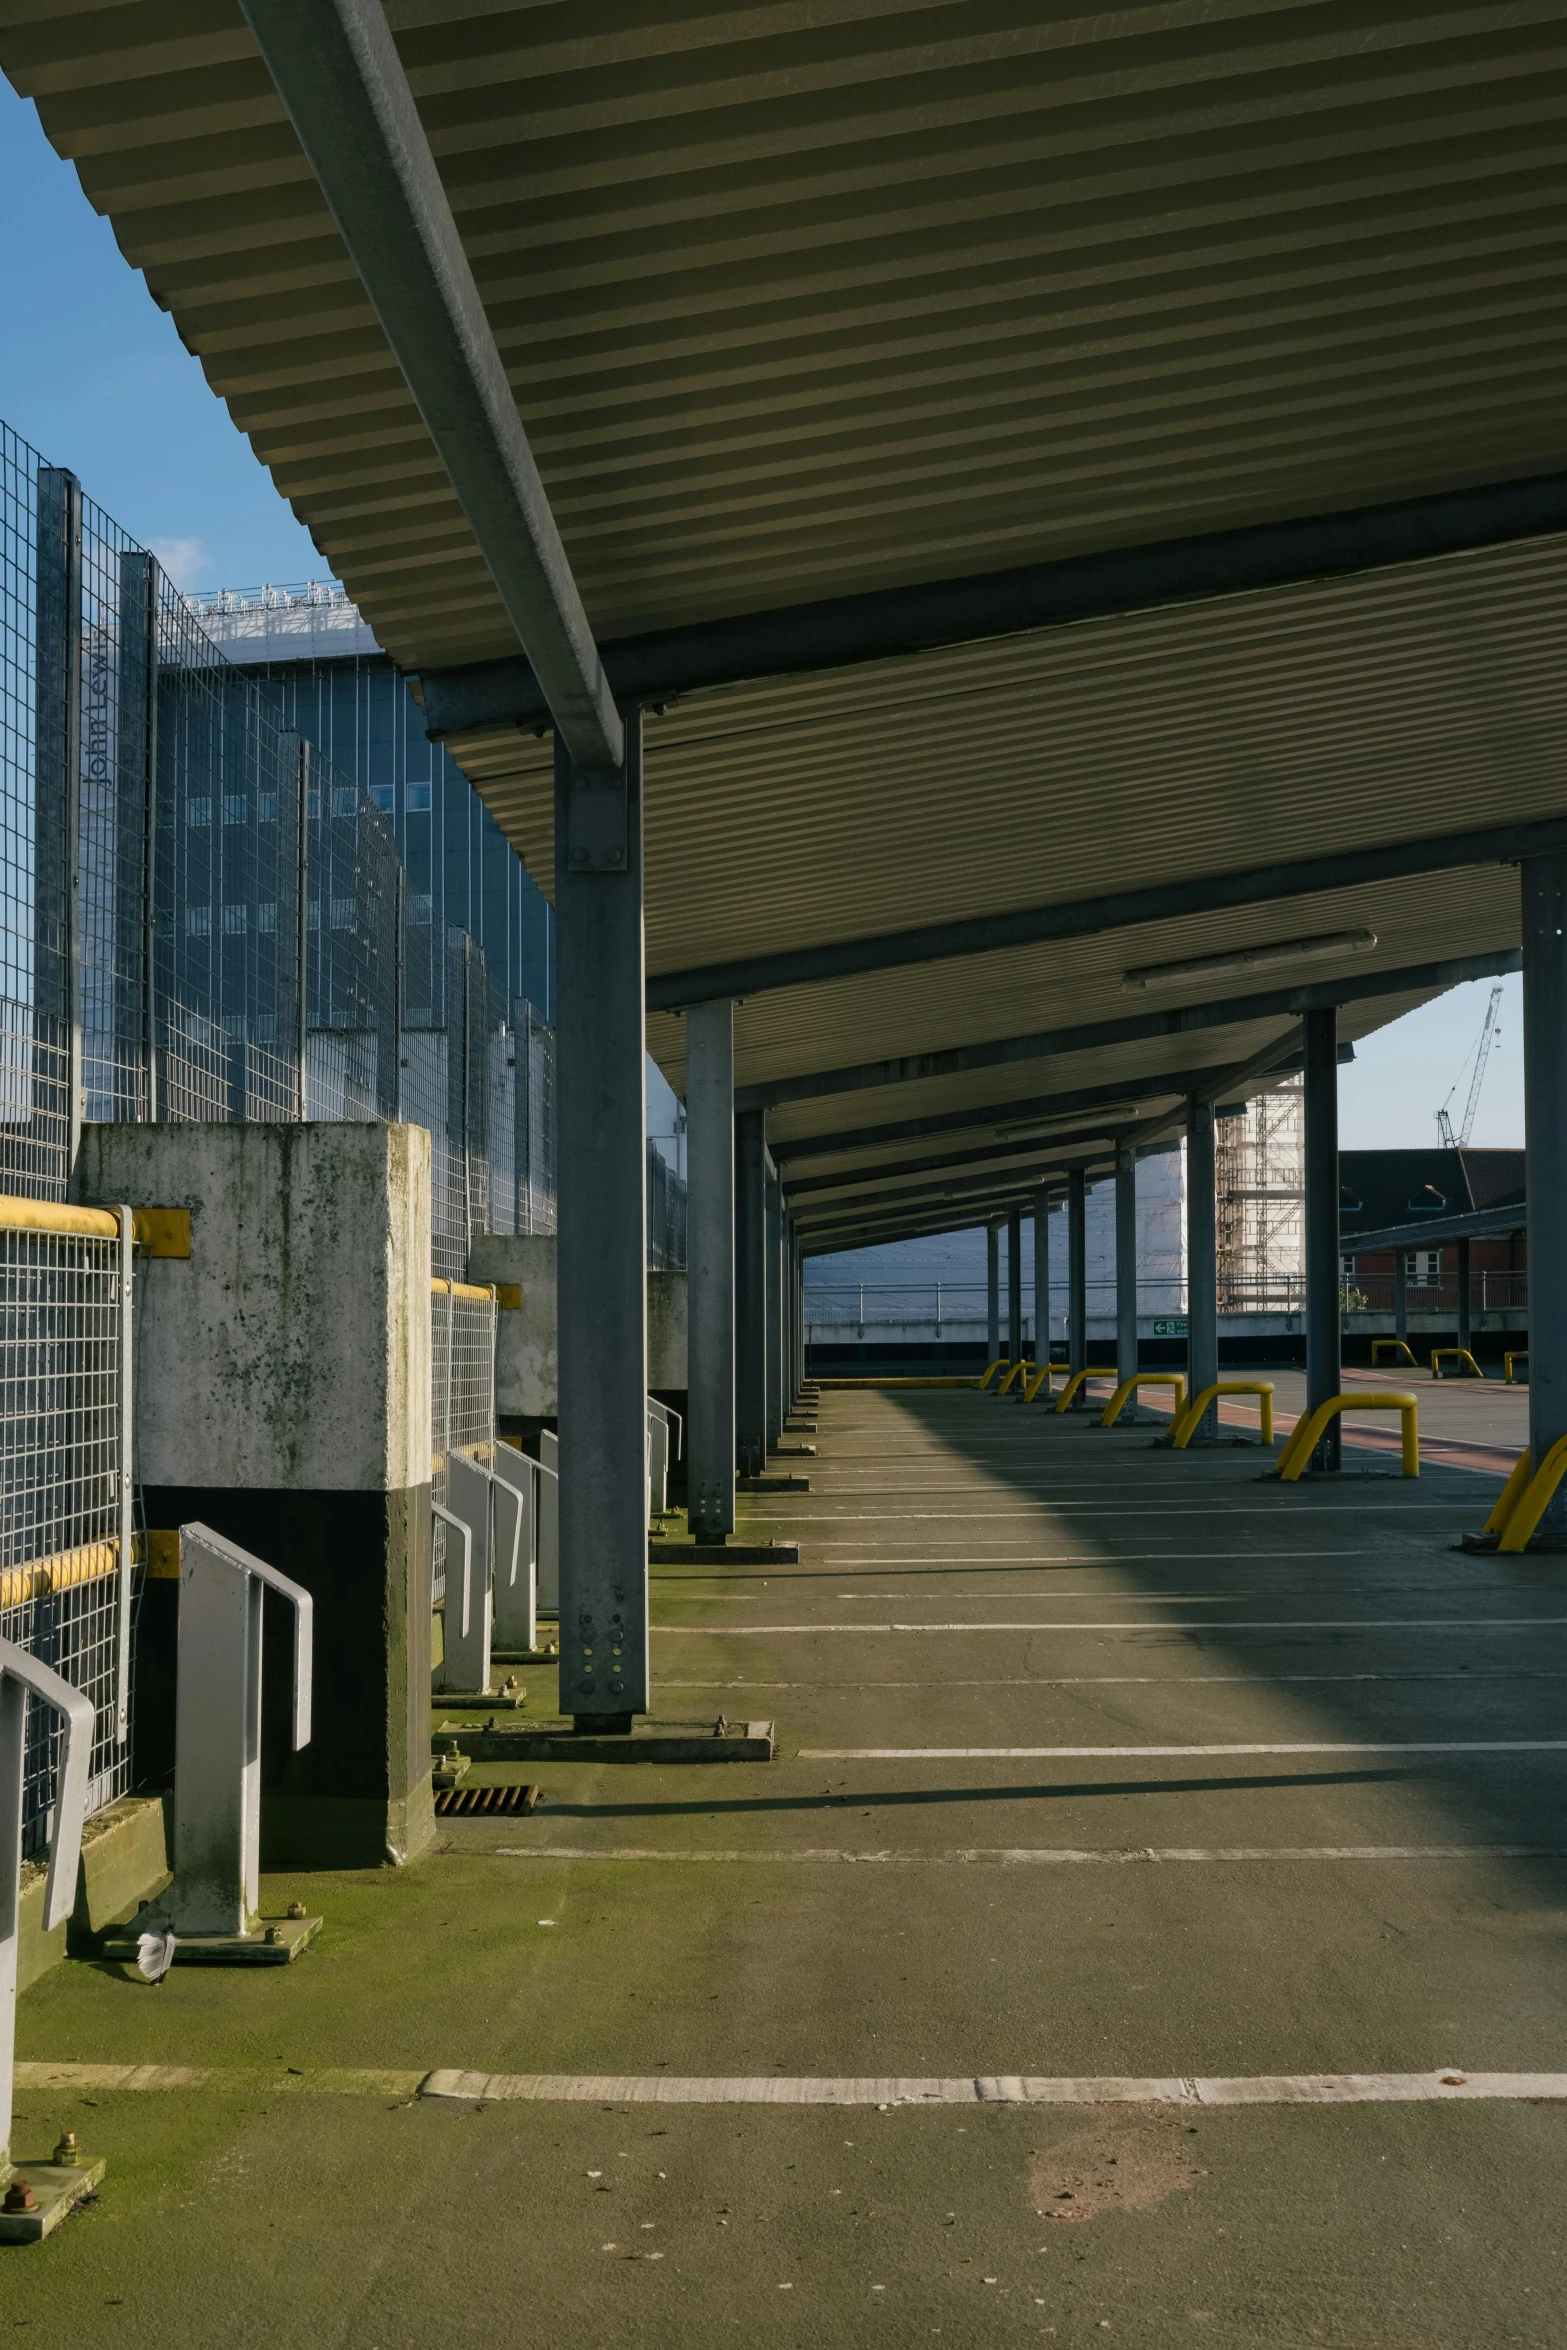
{"x": 1511, "y": 1494}
{"x": 158, "y": 1232}
{"x": 1041, "y": 1379}
{"x": 1400, "y": 1346}
{"x": 1461, "y": 1354}
{"x": 89, "y": 1564}
{"x": 439, "y": 1288}
{"x": 1019, "y": 1370}
{"x": 1533, "y": 1501}
{"x": 1308, "y": 1432}
{"x": 990, "y": 1371}
{"x": 1187, "y": 1424}
{"x": 1078, "y": 1379}
{"x": 1520, "y": 1354}
{"x": 1128, "y": 1388}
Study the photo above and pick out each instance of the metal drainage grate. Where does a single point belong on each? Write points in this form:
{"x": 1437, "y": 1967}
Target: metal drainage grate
{"x": 473, "y": 1800}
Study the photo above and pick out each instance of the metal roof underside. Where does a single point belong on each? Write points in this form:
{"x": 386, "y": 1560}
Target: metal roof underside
{"x": 805, "y": 299}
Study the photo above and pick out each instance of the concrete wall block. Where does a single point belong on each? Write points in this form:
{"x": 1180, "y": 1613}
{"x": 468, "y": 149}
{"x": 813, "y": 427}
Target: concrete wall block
{"x": 526, "y": 1341}
{"x": 292, "y": 1348}
{"x": 125, "y": 1860}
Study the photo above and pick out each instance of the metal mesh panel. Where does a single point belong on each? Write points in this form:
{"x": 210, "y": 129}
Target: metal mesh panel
{"x": 666, "y": 1214}
{"x": 60, "y": 1464}
{"x": 462, "y": 1391}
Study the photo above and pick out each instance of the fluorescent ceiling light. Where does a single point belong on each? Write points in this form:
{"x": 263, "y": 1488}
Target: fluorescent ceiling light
{"x": 1329, "y": 945}
{"x": 1043, "y": 1126}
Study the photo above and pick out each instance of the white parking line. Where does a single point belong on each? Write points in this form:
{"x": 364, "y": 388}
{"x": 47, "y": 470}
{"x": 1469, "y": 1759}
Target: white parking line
{"x": 1170, "y": 1753}
{"x": 1448, "y": 2087}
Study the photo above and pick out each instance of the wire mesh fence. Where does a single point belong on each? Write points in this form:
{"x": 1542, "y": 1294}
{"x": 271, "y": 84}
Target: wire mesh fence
{"x": 63, "y": 1464}
{"x": 200, "y": 921}
{"x": 462, "y": 1389}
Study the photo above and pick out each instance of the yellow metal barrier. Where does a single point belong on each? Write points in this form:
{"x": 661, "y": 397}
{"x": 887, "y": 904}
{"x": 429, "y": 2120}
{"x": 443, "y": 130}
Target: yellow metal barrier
{"x": 991, "y": 1369}
{"x": 1533, "y": 1500}
{"x": 1019, "y": 1370}
{"x": 955, "y": 1380}
{"x": 1041, "y": 1379}
{"x": 1519, "y": 1355}
{"x": 440, "y": 1288}
{"x": 1187, "y": 1423}
{"x": 1508, "y": 1499}
{"x": 1308, "y": 1432}
{"x": 1399, "y": 1346}
{"x": 157, "y": 1232}
{"x": 1128, "y": 1388}
{"x": 1079, "y": 1379}
{"x": 1458, "y": 1354}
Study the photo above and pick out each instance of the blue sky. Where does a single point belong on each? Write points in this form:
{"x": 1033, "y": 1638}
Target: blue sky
{"x": 99, "y": 381}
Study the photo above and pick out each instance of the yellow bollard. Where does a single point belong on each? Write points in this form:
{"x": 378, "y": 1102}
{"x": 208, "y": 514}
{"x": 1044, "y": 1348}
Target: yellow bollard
{"x": 991, "y": 1369}
{"x": 1530, "y": 1507}
{"x": 1519, "y": 1355}
{"x": 1460, "y": 1354}
{"x": 1129, "y": 1387}
{"x": 1308, "y": 1432}
{"x": 1079, "y": 1378}
{"x": 1187, "y": 1422}
{"x": 1400, "y": 1346}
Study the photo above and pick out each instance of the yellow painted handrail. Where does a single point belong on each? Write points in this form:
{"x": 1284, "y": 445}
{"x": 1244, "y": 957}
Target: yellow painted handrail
{"x": 1520, "y": 1354}
{"x": 158, "y": 1232}
{"x": 1187, "y": 1423}
{"x": 1128, "y": 1388}
{"x": 991, "y": 1369}
{"x": 1461, "y": 1354}
{"x": 1511, "y": 1494}
{"x": 1399, "y": 1346}
{"x": 439, "y": 1288}
{"x": 1308, "y": 1432}
{"x": 1019, "y": 1370}
{"x": 1079, "y": 1378}
{"x": 1531, "y": 1504}
{"x": 68, "y": 1568}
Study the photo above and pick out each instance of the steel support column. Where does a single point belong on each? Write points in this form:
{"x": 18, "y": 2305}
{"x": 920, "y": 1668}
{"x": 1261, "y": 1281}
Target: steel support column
{"x": 750, "y": 1294}
{"x": 775, "y": 1310}
{"x": 1323, "y": 1277}
{"x": 1126, "y": 1267}
{"x": 1041, "y": 1276}
{"x": 1463, "y": 1292}
{"x": 601, "y": 1244}
{"x": 1077, "y": 1274}
{"x": 992, "y": 1292}
{"x": 1202, "y": 1265}
{"x": 1401, "y": 1294}
{"x": 1545, "y": 1163}
{"x": 1015, "y": 1285}
{"x": 710, "y": 1269}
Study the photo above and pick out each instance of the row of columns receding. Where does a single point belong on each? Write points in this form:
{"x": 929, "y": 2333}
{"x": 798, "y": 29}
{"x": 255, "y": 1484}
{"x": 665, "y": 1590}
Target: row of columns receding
{"x": 745, "y": 1256}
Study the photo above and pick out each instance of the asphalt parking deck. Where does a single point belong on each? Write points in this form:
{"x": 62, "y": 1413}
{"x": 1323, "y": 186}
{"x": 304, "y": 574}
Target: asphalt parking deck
{"x": 1104, "y": 1775}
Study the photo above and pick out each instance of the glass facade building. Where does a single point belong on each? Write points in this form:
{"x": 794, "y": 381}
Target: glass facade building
{"x": 318, "y": 663}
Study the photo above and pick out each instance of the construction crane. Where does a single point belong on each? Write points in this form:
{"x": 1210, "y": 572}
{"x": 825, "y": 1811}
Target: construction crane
{"x": 1482, "y": 1053}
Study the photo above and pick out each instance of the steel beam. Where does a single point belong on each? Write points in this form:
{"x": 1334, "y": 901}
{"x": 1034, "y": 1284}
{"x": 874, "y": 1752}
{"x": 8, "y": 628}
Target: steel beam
{"x": 1169, "y": 901}
{"x": 710, "y": 1274}
{"x": 1034, "y": 1110}
{"x": 1077, "y": 1274}
{"x": 601, "y": 1254}
{"x": 1014, "y": 1285}
{"x": 892, "y": 622}
{"x": 1202, "y": 1268}
{"x": 337, "y": 71}
{"x": 1544, "y": 893}
{"x": 1126, "y": 1267}
{"x": 991, "y": 1154}
{"x": 1042, "y": 1275}
{"x": 750, "y": 1295}
{"x": 1278, "y": 1003}
{"x": 1323, "y": 1272}
{"x": 922, "y": 1218}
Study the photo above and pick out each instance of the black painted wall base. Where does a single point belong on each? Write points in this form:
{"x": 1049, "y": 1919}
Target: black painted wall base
{"x": 358, "y": 1796}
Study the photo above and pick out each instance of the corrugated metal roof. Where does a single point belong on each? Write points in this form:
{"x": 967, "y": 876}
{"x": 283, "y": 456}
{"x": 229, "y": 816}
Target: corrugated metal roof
{"x": 805, "y": 298}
